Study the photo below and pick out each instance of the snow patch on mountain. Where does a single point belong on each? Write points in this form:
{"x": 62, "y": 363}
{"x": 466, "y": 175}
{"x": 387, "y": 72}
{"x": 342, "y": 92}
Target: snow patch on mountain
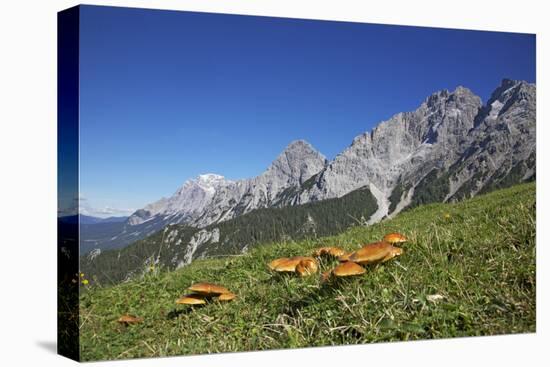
{"x": 189, "y": 201}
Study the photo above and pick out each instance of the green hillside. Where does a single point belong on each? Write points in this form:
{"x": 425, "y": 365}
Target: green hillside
{"x": 477, "y": 256}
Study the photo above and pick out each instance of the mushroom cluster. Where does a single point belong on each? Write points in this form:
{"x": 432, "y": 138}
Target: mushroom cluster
{"x": 204, "y": 292}
{"x": 378, "y": 252}
{"x": 351, "y": 263}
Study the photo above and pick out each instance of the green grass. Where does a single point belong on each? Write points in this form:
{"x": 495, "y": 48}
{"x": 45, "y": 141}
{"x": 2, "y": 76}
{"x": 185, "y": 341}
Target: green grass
{"x": 481, "y": 259}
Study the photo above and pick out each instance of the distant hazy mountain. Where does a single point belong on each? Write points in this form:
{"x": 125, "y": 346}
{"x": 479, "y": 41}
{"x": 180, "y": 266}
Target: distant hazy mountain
{"x": 87, "y": 219}
{"x": 451, "y": 147}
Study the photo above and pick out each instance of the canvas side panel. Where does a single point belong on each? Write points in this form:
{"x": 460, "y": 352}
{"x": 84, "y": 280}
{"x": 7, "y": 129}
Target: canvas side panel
{"x": 67, "y": 164}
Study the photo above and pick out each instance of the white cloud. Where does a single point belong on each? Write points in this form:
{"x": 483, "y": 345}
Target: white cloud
{"x": 84, "y": 207}
{"x": 105, "y": 211}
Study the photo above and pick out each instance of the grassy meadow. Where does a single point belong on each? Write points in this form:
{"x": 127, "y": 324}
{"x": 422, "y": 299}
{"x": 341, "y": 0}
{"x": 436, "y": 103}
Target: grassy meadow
{"x": 467, "y": 270}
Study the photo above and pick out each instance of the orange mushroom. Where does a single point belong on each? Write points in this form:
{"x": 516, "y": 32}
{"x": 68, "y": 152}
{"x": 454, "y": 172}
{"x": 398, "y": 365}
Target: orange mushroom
{"x": 394, "y": 238}
{"x": 289, "y": 264}
{"x": 224, "y": 297}
{"x": 208, "y": 289}
{"x": 192, "y": 299}
{"x": 329, "y": 251}
{"x": 347, "y": 269}
{"x": 306, "y": 267}
{"x": 275, "y": 263}
{"x": 129, "y": 319}
{"x": 345, "y": 257}
{"x": 375, "y": 252}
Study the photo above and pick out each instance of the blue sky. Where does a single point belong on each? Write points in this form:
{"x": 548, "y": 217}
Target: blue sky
{"x": 166, "y": 96}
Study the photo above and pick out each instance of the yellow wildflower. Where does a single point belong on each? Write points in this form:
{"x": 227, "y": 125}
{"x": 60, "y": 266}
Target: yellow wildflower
{"x": 84, "y": 281}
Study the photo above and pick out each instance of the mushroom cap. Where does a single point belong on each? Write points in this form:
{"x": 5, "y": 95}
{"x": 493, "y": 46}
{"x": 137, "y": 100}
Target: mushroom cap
{"x": 275, "y": 263}
{"x": 395, "y": 251}
{"x": 372, "y": 252}
{"x": 329, "y": 251}
{"x": 395, "y": 238}
{"x": 349, "y": 268}
{"x": 336, "y": 252}
{"x": 129, "y": 319}
{"x": 208, "y": 289}
{"x": 290, "y": 264}
{"x": 191, "y": 299}
{"x": 307, "y": 267}
{"x": 227, "y": 297}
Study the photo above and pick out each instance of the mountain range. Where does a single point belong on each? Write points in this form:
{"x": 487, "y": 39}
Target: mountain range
{"x": 88, "y": 219}
{"x": 451, "y": 147}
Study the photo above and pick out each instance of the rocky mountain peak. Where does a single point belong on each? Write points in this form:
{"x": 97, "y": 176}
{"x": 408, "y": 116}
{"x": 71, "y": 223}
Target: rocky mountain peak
{"x": 462, "y": 90}
{"x": 508, "y": 94}
{"x": 460, "y": 96}
{"x": 191, "y": 198}
{"x": 507, "y": 83}
{"x": 436, "y": 98}
{"x": 298, "y": 144}
{"x": 210, "y": 181}
{"x": 512, "y": 89}
{"x": 446, "y": 117}
{"x": 464, "y": 96}
{"x": 297, "y": 149}
{"x": 297, "y": 162}
{"x": 206, "y": 182}
{"x": 504, "y": 90}
{"x": 210, "y": 178}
